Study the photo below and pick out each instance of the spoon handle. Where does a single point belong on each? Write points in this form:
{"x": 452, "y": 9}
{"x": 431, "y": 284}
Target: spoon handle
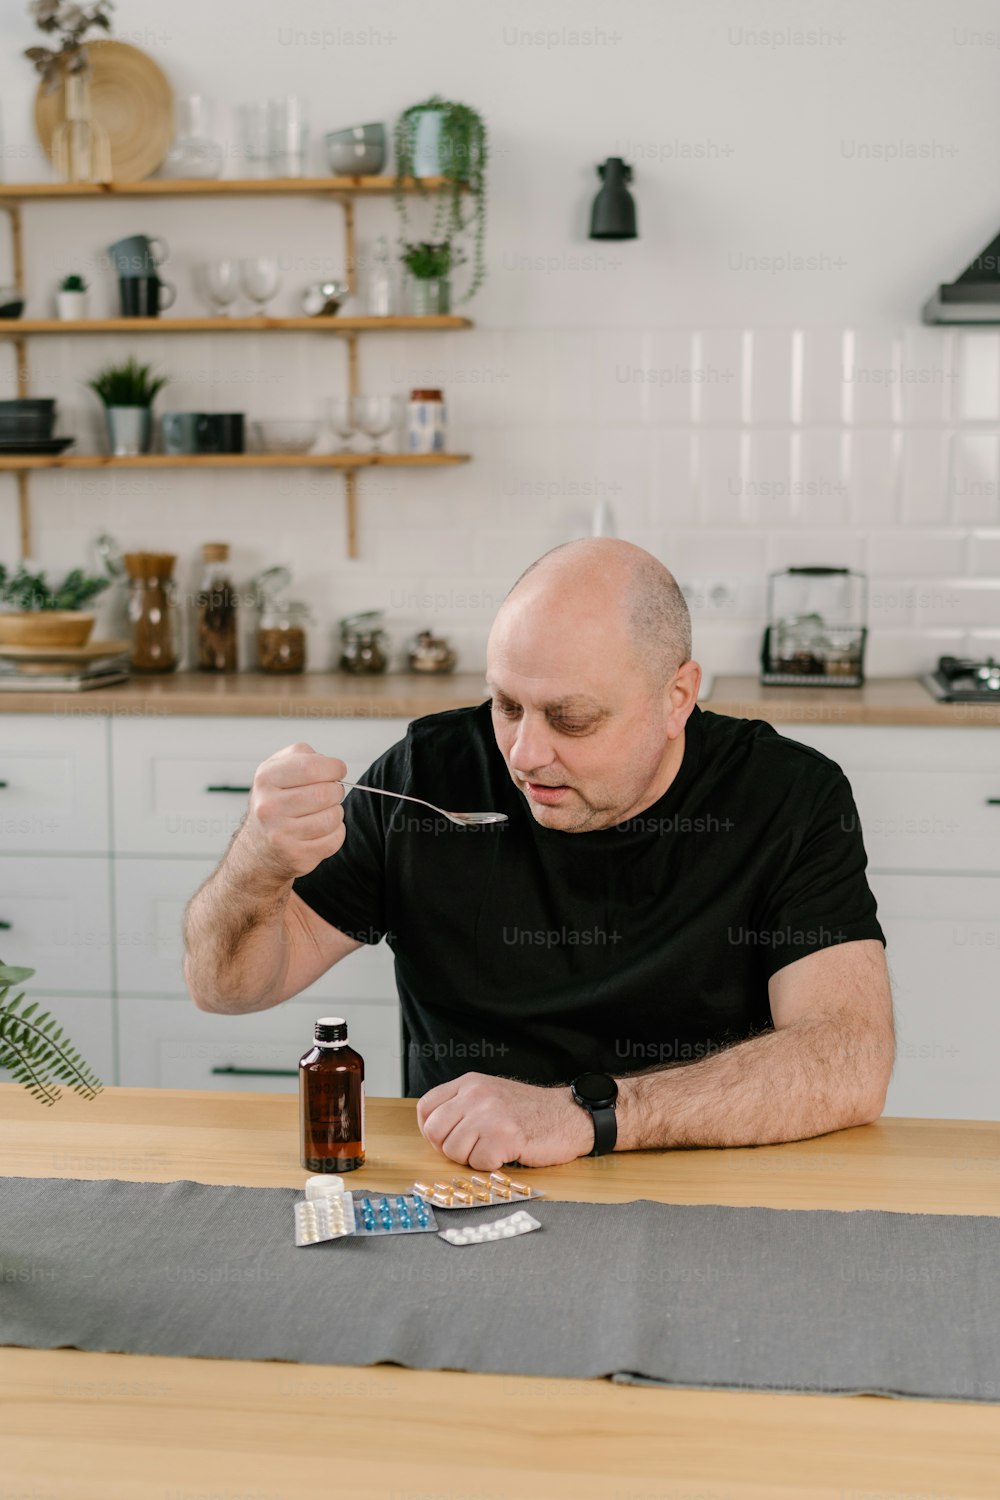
{"x": 401, "y": 796}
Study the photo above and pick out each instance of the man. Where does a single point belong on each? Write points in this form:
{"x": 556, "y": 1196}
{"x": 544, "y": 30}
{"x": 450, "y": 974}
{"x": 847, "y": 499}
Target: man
{"x": 671, "y": 942}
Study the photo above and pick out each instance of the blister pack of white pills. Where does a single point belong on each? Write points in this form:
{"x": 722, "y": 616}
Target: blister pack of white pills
{"x": 323, "y": 1218}
{"x": 500, "y": 1229}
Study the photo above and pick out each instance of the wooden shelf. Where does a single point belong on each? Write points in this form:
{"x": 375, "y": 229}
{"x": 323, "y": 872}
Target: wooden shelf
{"x": 13, "y": 328}
{"x": 217, "y": 187}
{"x": 340, "y": 190}
{"x": 14, "y": 462}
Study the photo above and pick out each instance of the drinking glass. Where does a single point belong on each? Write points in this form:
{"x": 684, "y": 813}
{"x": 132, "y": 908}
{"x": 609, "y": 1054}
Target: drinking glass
{"x": 221, "y": 279}
{"x": 288, "y": 136}
{"x": 255, "y": 138}
{"x": 375, "y": 415}
{"x": 343, "y": 412}
{"x": 261, "y": 276}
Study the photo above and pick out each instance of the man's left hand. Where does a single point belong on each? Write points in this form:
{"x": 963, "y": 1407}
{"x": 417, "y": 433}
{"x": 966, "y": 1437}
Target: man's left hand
{"x": 484, "y": 1122}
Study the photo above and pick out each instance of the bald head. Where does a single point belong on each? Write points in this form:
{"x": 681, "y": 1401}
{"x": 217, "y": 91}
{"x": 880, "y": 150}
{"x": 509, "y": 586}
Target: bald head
{"x": 605, "y": 574}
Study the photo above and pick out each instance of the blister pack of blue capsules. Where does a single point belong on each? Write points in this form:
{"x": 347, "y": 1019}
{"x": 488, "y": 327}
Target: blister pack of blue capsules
{"x": 392, "y": 1213}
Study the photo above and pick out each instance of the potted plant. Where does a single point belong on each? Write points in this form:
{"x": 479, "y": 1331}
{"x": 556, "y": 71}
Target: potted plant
{"x": 428, "y": 266}
{"x": 33, "y": 1049}
{"x": 440, "y": 138}
{"x": 128, "y": 391}
{"x": 33, "y": 614}
{"x": 71, "y": 298}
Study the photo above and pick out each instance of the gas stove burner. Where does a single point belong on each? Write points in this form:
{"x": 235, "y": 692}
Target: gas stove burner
{"x": 958, "y": 680}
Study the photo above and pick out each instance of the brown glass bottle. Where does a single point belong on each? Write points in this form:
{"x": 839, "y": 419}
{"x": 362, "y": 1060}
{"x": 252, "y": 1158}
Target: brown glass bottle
{"x": 332, "y": 1101}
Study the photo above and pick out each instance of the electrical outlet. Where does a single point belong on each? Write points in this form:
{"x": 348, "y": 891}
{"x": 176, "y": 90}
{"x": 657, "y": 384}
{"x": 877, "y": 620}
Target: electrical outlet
{"x": 712, "y": 596}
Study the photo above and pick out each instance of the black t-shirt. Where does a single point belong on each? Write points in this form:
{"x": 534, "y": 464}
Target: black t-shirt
{"x": 536, "y": 954}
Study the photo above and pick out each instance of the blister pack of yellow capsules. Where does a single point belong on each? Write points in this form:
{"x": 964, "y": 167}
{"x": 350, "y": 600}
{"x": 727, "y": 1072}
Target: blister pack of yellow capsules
{"x": 477, "y": 1191}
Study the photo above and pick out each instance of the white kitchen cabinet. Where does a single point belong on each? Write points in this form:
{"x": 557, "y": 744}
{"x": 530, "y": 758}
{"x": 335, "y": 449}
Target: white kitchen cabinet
{"x": 928, "y": 799}
{"x": 53, "y": 784}
{"x": 172, "y": 1044}
{"x": 181, "y": 785}
{"x": 943, "y": 950}
{"x": 150, "y": 896}
{"x": 55, "y": 918}
{"x": 932, "y": 834}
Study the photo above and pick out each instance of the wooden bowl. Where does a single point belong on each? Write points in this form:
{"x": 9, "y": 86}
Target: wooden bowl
{"x": 45, "y": 627}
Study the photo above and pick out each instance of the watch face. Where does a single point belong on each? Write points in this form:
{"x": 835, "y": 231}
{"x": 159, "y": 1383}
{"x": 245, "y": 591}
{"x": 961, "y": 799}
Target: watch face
{"x": 595, "y": 1089}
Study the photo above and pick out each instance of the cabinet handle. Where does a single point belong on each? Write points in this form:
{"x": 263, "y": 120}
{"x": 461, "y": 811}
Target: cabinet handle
{"x": 993, "y": 802}
{"x": 257, "y": 1072}
{"x": 4, "y": 783}
{"x": 224, "y": 788}
{"x": 6, "y": 926}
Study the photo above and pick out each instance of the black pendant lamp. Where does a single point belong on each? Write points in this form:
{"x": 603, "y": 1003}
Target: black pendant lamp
{"x": 613, "y": 214}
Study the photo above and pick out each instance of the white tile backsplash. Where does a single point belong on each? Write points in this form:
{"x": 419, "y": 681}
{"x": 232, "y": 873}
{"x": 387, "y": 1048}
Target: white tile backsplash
{"x": 729, "y": 451}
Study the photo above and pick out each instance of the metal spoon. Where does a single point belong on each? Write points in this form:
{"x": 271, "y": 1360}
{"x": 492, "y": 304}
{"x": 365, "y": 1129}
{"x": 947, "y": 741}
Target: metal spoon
{"x": 464, "y": 820}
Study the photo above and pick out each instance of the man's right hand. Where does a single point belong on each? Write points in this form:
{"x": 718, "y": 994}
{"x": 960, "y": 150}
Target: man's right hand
{"x": 295, "y": 819}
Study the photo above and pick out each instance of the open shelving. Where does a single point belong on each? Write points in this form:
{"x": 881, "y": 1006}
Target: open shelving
{"x": 340, "y": 190}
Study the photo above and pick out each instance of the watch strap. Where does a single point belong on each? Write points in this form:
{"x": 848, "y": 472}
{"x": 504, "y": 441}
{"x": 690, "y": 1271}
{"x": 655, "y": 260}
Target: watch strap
{"x": 605, "y": 1130}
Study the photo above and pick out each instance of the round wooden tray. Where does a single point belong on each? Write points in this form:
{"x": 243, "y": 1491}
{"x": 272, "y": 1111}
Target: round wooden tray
{"x": 59, "y": 655}
{"x": 131, "y": 97}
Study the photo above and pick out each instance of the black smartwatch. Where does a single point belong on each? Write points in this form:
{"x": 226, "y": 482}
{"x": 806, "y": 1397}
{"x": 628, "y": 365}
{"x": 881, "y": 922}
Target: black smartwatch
{"x": 597, "y": 1093}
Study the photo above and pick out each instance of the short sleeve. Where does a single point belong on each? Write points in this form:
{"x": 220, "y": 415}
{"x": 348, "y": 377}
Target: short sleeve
{"x": 822, "y": 896}
{"x": 348, "y": 888}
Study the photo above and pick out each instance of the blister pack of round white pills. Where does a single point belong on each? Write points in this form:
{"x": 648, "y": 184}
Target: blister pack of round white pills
{"x": 500, "y": 1229}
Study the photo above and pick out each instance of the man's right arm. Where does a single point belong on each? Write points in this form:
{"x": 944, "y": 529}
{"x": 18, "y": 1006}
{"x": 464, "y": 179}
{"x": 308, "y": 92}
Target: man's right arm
{"x": 250, "y": 941}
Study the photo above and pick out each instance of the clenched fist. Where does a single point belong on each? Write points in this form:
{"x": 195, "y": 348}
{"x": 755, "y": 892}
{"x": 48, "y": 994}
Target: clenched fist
{"x": 484, "y": 1122}
{"x": 295, "y": 819}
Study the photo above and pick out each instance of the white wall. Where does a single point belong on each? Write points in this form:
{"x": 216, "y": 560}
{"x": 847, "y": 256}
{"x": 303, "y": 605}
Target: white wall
{"x": 738, "y": 413}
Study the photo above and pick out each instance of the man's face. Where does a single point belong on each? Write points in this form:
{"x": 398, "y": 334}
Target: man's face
{"x": 586, "y": 735}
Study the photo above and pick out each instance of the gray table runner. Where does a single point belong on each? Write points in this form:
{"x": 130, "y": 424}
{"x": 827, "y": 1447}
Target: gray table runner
{"x": 754, "y": 1298}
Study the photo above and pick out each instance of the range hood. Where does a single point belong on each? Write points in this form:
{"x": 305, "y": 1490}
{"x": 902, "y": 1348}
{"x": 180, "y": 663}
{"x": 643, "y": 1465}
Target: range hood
{"x": 973, "y": 297}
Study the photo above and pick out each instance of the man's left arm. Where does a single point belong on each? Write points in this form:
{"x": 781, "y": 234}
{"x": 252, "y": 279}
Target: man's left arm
{"x": 825, "y": 1066}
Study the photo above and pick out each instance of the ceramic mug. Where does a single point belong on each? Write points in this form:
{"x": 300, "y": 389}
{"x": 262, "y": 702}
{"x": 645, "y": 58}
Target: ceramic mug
{"x": 136, "y": 255}
{"x": 142, "y": 296}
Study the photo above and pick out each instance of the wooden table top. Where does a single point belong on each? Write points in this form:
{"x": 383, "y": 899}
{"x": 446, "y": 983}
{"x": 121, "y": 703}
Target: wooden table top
{"x": 82, "y": 1426}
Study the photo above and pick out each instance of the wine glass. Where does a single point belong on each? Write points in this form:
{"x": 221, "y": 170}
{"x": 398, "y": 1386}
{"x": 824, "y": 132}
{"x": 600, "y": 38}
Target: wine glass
{"x": 222, "y": 284}
{"x": 261, "y": 276}
{"x": 375, "y": 415}
{"x": 344, "y": 419}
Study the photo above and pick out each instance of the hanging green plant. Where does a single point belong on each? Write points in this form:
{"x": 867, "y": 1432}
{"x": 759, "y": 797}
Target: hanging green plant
{"x": 463, "y": 150}
{"x": 33, "y": 1048}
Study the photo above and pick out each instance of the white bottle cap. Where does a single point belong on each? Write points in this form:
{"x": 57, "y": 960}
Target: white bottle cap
{"x": 324, "y": 1185}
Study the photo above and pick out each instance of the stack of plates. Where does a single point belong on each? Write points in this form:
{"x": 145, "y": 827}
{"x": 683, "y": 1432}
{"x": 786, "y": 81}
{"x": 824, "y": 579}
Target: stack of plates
{"x": 26, "y": 426}
{"x": 64, "y": 668}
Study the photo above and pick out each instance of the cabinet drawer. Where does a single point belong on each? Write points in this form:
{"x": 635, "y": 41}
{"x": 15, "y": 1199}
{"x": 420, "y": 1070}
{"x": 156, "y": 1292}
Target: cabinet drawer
{"x": 88, "y": 1021}
{"x": 172, "y": 1044}
{"x": 150, "y": 896}
{"x": 56, "y": 916}
{"x": 53, "y": 784}
{"x": 928, "y": 799}
{"x": 943, "y": 950}
{"x": 164, "y": 773}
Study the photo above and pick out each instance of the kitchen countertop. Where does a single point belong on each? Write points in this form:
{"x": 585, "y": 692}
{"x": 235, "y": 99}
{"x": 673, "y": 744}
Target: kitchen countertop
{"x": 883, "y": 700}
{"x": 90, "y": 1426}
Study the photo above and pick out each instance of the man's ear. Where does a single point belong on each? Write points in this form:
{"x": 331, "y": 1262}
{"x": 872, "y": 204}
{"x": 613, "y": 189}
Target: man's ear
{"x": 683, "y": 694}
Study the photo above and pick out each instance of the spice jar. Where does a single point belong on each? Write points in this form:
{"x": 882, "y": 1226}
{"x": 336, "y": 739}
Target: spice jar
{"x": 430, "y": 653}
{"x": 152, "y": 611}
{"x": 281, "y": 636}
{"x": 216, "y": 612}
{"x": 425, "y": 422}
{"x": 363, "y": 644}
